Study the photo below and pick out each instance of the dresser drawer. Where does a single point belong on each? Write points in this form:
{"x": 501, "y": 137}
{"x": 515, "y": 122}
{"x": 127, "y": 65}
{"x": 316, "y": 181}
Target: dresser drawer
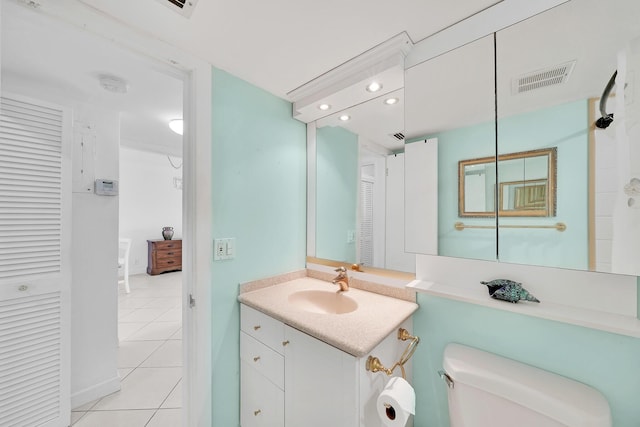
{"x": 263, "y": 359}
{"x": 168, "y": 262}
{"x": 169, "y": 253}
{"x": 262, "y": 403}
{"x": 265, "y": 329}
{"x": 165, "y": 245}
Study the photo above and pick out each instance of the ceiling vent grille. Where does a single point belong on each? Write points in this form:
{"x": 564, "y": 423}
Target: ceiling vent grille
{"x": 399, "y": 136}
{"x": 183, "y": 7}
{"x": 542, "y": 78}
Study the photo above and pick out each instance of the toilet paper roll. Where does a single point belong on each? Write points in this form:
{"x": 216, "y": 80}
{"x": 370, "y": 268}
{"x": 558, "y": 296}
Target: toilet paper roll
{"x": 396, "y": 403}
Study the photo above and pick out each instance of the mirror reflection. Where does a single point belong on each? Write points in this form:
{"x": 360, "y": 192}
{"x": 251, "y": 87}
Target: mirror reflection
{"x": 549, "y": 92}
{"x": 450, "y": 104}
{"x": 526, "y": 185}
{"x": 359, "y": 185}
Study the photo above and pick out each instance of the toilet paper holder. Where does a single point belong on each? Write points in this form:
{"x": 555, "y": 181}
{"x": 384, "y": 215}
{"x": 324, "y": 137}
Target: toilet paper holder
{"x": 375, "y": 365}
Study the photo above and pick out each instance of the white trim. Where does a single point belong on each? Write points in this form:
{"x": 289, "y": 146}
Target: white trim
{"x": 492, "y": 19}
{"x": 311, "y": 189}
{"x": 196, "y": 191}
{"x": 94, "y": 392}
{"x": 357, "y": 68}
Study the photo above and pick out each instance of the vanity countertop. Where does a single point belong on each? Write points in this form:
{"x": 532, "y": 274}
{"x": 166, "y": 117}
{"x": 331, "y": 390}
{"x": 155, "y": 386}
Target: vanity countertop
{"x": 356, "y": 333}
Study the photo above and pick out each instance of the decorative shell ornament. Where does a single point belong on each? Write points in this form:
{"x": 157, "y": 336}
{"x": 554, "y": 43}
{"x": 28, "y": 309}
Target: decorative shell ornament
{"x": 508, "y": 290}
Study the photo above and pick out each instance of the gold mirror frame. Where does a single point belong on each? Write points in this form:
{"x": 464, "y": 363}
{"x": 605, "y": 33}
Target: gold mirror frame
{"x": 531, "y": 205}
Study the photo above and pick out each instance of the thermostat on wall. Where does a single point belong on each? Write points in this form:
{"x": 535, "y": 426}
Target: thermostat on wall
{"x": 106, "y": 187}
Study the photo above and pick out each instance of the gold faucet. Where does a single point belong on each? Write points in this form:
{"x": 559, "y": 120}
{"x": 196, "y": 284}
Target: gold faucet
{"x": 342, "y": 279}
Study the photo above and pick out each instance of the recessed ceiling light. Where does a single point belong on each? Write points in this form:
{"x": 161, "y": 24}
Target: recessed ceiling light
{"x": 345, "y": 117}
{"x": 176, "y": 125}
{"x": 324, "y": 107}
{"x": 391, "y": 101}
{"x": 374, "y": 87}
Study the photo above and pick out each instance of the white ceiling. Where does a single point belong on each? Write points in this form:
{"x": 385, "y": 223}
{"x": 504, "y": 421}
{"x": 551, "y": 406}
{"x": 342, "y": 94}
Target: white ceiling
{"x": 280, "y": 45}
{"x": 37, "y": 51}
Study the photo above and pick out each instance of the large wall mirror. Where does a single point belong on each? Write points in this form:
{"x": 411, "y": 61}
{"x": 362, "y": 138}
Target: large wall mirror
{"x": 551, "y": 72}
{"x": 359, "y": 184}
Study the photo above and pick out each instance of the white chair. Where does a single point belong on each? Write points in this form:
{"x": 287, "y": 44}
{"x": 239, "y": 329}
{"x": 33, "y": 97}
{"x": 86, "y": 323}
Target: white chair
{"x": 124, "y": 247}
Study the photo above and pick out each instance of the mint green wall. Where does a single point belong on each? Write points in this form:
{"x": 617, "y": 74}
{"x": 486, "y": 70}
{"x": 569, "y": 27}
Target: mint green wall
{"x": 607, "y": 362}
{"x": 258, "y": 197}
{"x": 337, "y": 192}
{"x": 565, "y": 127}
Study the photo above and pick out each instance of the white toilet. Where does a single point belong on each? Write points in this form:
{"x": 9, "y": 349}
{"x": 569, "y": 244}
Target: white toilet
{"x": 486, "y": 390}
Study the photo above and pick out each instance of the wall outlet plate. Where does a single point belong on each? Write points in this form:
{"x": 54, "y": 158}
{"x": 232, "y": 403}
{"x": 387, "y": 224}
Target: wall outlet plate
{"x": 224, "y": 248}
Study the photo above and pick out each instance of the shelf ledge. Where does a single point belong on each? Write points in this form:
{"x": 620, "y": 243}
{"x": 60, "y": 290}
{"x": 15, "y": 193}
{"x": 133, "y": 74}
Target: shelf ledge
{"x": 615, "y": 323}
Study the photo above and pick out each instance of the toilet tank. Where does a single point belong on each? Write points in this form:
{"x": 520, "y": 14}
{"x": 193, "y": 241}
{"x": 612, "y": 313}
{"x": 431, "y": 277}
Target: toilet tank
{"x": 492, "y": 391}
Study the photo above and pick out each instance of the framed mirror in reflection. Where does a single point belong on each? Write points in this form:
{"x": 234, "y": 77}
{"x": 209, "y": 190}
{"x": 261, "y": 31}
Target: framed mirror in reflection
{"x": 525, "y": 188}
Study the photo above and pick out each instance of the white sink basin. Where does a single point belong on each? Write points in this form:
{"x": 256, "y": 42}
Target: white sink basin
{"x": 323, "y": 302}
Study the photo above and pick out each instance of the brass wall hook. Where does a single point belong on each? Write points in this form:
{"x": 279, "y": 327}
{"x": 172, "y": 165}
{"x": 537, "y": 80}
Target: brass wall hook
{"x": 374, "y": 364}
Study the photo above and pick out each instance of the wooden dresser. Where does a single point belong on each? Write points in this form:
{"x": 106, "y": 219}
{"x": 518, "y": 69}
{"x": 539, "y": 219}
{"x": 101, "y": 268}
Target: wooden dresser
{"x": 164, "y": 255}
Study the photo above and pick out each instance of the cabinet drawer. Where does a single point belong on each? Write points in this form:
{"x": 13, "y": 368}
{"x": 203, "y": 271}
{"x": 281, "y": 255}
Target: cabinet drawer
{"x": 262, "y": 327}
{"x": 163, "y": 245}
{"x": 265, "y": 360}
{"x": 262, "y": 403}
{"x": 168, "y": 262}
{"x": 170, "y": 253}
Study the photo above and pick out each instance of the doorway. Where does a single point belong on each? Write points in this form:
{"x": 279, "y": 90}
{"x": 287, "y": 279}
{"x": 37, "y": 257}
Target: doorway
{"x": 59, "y": 79}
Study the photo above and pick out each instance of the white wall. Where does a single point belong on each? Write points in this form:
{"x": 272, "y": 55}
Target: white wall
{"x": 148, "y": 201}
{"x": 397, "y": 257}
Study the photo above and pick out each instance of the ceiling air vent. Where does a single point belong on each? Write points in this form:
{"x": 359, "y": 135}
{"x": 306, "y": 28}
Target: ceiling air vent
{"x": 183, "y": 7}
{"x": 542, "y": 78}
{"x": 399, "y": 136}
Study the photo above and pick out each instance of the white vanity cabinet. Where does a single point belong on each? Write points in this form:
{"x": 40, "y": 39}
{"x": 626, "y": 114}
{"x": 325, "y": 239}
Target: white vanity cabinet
{"x": 262, "y": 369}
{"x": 320, "y": 383}
{"x": 291, "y": 379}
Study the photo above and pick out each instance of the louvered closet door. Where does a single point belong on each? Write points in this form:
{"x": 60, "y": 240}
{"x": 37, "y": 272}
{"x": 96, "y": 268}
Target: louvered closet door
{"x": 34, "y": 278}
{"x": 366, "y": 222}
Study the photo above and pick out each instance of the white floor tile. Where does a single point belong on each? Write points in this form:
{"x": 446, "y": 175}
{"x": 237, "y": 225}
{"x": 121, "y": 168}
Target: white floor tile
{"x": 135, "y": 418}
{"x": 130, "y": 301}
{"x": 177, "y": 335}
{"x": 175, "y": 398}
{"x": 166, "y": 418}
{"x": 165, "y": 302}
{"x": 132, "y": 353}
{"x": 85, "y": 407}
{"x": 172, "y": 315}
{"x": 144, "y": 388}
{"x": 167, "y": 355}
{"x": 125, "y": 330}
{"x": 75, "y": 416}
{"x": 155, "y": 331}
{"x": 145, "y": 315}
{"x": 123, "y": 312}
{"x": 123, "y": 372}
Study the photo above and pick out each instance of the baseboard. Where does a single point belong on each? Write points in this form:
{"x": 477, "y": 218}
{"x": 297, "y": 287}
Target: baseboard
{"x": 95, "y": 392}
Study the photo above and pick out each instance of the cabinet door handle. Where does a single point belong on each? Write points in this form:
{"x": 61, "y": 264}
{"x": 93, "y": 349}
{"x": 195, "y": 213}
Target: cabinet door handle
{"x": 169, "y": 253}
{"x": 285, "y": 343}
{"x": 256, "y": 413}
{"x": 170, "y": 262}
{"x": 255, "y": 328}
{"x": 255, "y": 359}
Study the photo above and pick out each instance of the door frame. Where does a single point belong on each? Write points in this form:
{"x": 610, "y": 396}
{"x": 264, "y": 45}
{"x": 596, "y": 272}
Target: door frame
{"x": 196, "y": 206}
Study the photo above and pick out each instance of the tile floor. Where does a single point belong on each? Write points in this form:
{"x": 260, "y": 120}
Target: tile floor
{"x": 149, "y": 358}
